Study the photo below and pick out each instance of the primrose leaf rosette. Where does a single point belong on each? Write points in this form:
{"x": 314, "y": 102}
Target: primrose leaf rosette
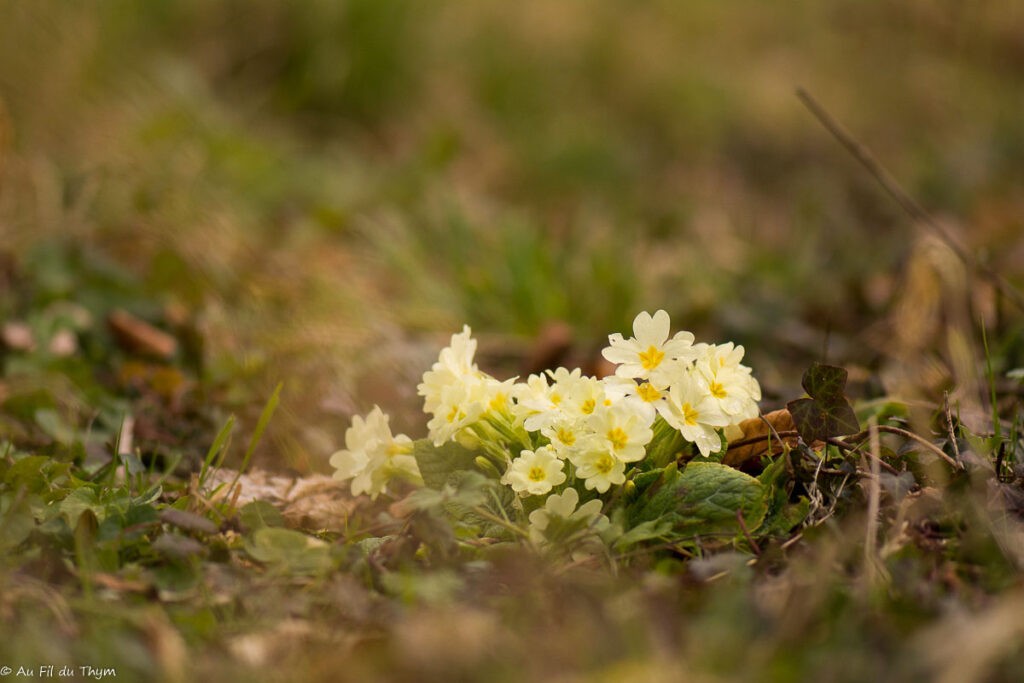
{"x": 564, "y": 460}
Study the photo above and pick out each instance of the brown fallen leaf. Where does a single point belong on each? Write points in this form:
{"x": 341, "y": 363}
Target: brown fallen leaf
{"x": 759, "y": 434}
{"x": 135, "y": 334}
{"x": 316, "y": 501}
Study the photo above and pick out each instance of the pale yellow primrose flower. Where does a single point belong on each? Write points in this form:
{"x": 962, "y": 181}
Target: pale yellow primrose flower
{"x": 454, "y": 365}
{"x": 642, "y": 396}
{"x": 599, "y": 469}
{"x": 624, "y": 430}
{"x": 563, "y": 505}
{"x": 569, "y": 436}
{"x": 456, "y": 393}
{"x": 373, "y": 457}
{"x": 535, "y": 405}
{"x": 646, "y": 355}
{"x": 458, "y": 407}
{"x": 535, "y": 472}
{"x": 693, "y": 411}
{"x": 731, "y": 384}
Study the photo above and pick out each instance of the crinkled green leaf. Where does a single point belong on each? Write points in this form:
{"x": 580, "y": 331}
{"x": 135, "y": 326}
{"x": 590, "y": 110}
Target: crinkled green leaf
{"x": 705, "y": 498}
{"x": 713, "y": 494}
{"x": 438, "y": 463}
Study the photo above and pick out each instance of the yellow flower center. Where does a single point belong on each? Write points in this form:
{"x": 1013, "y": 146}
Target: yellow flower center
{"x": 690, "y": 414}
{"x": 717, "y": 390}
{"x": 556, "y": 399}
{"x": 604, "y": 464}
{"x": 618, "y": 438}
{"x": 537, "y": 473}
{"x": 648, "y": 393}
{"x": 651, "y": 358}
{"x": 499, "y": 402}
{"x": 455, "y": 414}
{"x": 566, "y": 436}
{"x": 588, "y": 406}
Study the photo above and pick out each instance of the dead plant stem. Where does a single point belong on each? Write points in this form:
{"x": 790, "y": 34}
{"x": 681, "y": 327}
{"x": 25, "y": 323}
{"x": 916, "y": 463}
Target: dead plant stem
{"x": 917, "y": 212}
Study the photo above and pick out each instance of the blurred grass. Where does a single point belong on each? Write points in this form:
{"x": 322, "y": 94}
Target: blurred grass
{"x": 321, "y": 192}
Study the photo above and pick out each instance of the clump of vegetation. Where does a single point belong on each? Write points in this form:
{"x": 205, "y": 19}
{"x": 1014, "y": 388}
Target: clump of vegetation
{"x": 200, "y": 202}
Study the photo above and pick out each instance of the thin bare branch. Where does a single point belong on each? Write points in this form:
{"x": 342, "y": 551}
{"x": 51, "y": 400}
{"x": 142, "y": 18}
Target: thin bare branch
{"x": 903, "y": 198}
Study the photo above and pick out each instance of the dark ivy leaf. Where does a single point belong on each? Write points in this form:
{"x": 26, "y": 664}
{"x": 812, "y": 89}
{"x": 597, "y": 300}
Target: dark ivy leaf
{"x": 827, "y": 413}
{"x": 825, "y": 382}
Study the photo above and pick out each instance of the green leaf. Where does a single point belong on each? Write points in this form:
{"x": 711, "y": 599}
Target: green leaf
{"x": 781, "y": 520}
{"x": 713, "y": 494}
{"x": 55, "y": 426}
{"x": 35, "y": 473}
{"x": 827, "y": 413}
{"x": 16, "y": 523}
{"x": 705, "y": 498}
{"x": 260, "y": 514}
{"x": 782, "y": 515}
{"x": 666, "y": 445}
{"x": 654, "y": 497}
{"x": 218, "y": 449}
{"x": 438, "y": 463}
{"x": 80, "y": 500}
{"x": 645, "y": 531}
{"x": 289, "y": 550}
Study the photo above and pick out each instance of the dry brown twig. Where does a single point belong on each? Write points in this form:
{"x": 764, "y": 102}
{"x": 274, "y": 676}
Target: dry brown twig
{"x": 911, "y": 206}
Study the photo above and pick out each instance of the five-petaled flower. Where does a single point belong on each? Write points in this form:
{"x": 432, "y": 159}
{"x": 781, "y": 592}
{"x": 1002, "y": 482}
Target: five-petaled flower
{"x": 649, "y": 354}
{"x": 535, "y": 473}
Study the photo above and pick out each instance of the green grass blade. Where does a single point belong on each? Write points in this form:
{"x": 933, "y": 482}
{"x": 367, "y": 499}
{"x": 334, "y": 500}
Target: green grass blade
{"x": 218, "y": 447}
{"x": 257, "y": 434}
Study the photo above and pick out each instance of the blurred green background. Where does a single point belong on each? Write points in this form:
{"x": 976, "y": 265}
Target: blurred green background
{"x": 321, "y": 192}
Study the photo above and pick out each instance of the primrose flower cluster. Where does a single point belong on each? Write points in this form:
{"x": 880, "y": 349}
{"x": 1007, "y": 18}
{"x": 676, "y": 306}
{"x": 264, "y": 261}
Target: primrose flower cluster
{"x": 563, "y": 433}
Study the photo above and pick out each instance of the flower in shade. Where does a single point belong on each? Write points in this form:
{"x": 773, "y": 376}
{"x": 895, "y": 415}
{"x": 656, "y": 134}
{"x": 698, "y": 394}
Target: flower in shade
{"x": 692, "y": 410}
{"x": 372, "y": 456}
{"x": 562, "y": 507}
{"x": 731, "y": 384}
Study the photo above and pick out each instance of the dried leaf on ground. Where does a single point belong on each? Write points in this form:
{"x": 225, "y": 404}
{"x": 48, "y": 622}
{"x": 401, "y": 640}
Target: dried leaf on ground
{"x": 759, "y": 435}
{"x": 314, "y": 502}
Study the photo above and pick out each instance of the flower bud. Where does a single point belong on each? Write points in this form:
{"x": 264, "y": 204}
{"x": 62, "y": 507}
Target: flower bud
{"x": 487, "y": 467}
